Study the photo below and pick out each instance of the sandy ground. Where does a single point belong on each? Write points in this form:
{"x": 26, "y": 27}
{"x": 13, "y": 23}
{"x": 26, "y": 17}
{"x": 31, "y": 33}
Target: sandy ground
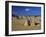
{"x": 22, "y": 24}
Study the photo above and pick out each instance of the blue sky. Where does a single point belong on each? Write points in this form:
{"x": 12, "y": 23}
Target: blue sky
{"x": 26, "y": 11}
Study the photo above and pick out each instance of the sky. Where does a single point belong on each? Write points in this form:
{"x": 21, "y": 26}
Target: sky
{"x": 26, "y": 11}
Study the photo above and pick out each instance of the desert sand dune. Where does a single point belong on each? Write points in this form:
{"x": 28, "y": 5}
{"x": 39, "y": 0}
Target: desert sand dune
{"x": 22, "y": 23}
